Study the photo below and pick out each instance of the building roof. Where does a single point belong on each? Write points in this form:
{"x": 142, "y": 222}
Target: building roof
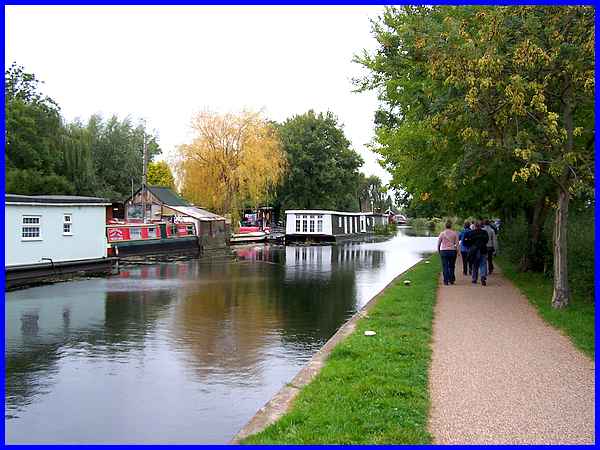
{"x": 55, "y": 199}
{"x": 197, "y": 213}
{"x": 167, "y": 196}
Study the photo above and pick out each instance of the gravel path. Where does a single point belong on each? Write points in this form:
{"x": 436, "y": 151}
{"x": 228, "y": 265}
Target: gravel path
{"x": 501, "y": 375}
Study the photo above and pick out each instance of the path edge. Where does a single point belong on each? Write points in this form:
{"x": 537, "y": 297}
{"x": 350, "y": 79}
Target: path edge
{"x": 282, "y": 401}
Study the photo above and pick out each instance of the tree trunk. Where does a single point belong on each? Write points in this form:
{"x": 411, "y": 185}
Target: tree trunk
{"x": 536, "y": 217}
{"x": 561, "y": 294}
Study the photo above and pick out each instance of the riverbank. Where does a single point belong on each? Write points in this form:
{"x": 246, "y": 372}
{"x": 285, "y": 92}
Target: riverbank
{"x": 576, "y": 321}
{"x": 372, "y": 389}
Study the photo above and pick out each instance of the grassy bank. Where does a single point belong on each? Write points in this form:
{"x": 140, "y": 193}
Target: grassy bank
{"x": 372, "y": 390}
{"x": 576, "y": 321}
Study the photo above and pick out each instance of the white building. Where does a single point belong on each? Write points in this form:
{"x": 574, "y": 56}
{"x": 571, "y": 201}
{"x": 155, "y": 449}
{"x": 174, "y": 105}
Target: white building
{"x": 329, "y": 225}
{"x": 52, "y": 229}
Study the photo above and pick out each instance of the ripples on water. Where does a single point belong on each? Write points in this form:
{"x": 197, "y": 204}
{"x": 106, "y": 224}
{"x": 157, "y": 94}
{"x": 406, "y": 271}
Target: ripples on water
{"x": 181, "y": 352}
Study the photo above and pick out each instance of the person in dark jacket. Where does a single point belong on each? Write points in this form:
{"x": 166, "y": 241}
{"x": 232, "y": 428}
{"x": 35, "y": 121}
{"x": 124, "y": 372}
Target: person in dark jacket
{"x": 477, "y": 240}
{"x": 464, "y": 248}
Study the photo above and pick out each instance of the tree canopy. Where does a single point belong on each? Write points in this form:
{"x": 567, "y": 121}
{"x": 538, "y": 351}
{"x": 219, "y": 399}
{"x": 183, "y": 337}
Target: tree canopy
{"x": 487, "y": 109}
{"x": 45, "y": 155}
{"x": 234, "y": 160}
{"x": 323, "y": 169}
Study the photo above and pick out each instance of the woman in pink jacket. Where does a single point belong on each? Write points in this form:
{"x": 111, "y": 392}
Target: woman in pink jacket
{"x": 447, "y": 248}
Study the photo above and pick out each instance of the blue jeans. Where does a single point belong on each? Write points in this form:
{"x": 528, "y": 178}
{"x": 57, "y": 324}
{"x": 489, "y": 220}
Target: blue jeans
{"x": 479, "y": 266}
{"x": 448, "y": 262}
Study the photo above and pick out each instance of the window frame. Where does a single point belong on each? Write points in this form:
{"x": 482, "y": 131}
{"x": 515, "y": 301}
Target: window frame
{"x": 31, "y": 225}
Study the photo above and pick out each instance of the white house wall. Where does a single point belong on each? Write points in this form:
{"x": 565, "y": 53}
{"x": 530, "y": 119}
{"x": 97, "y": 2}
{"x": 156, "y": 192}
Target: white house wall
{"x": 88, "y": 239}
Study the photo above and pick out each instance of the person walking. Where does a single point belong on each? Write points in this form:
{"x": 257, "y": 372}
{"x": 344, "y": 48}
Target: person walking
{"x": 492, "y": 245}
{"x": 464, "y": 248}
{"x": 478, "y": 239}
{"x": 447, "y": 248}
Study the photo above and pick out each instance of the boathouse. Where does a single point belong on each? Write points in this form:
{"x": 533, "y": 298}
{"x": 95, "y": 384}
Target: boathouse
{"x": 52, "y": 235}
{"x": 163, "y": 204}
{"x": 321, "y": 225}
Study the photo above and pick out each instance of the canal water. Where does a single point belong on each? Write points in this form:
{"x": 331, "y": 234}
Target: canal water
{"x": 182, "y": 352}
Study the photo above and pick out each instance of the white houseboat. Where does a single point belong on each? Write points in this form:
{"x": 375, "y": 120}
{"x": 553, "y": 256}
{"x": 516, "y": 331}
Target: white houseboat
{"x": 52, "y": 235}
{"x": 321, "y": 225}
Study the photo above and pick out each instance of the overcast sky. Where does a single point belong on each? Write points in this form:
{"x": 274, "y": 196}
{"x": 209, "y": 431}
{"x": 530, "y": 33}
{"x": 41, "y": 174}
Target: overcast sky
{"x": 163, "y": 64}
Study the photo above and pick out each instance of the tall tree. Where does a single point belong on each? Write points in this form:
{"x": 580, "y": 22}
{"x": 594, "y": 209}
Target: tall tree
{"x": 33, "y": 152}
{"x": 501, "y": 94}
{"x": 234, "y": 159}
{"x": 323, "y": 169}
{"x": 159, "y": 174}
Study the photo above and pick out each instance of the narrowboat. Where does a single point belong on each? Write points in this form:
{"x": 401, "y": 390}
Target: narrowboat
{"x": 126, "y": 239}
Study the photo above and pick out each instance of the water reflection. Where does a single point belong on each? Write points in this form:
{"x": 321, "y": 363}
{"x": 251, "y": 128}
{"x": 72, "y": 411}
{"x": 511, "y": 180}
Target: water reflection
{"x": 181, "y": 352}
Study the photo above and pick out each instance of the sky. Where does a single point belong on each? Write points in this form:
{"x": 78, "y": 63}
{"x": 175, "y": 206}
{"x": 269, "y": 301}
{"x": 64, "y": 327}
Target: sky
{"x": 165, "y": 63}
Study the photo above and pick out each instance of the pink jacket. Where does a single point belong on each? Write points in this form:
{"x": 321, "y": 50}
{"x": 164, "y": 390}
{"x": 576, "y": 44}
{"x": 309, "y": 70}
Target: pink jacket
{"x": 448, "y": 240}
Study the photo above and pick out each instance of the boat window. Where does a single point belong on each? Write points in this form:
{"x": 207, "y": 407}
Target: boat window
{"x": 319, "y": 226}
{"x": 297, "y": 225}
{"x": 135, "y": 233}
{"x": 151, "y": 232}
{"x": 339, "y": 222}
{"x": 190, "y": 229}
{"x": 31, "y": 228}
{"x": 312, "y": 225}
{"x": 304, "y": 225}
{"x": 67, "y": 222}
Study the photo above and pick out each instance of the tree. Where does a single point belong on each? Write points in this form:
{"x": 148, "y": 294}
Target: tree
{"x": 117, "y": 151}
{"x": 159, "y": 174}
{"x": 371, "y": 193}
{"x": 323, "y": 169}
{"x": 503, "y": 94}
{"x": 233, "y": 159}
{"x": 32, "y": 140}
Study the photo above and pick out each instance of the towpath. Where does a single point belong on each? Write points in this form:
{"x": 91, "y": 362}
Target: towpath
{"x": 501, "y": 375}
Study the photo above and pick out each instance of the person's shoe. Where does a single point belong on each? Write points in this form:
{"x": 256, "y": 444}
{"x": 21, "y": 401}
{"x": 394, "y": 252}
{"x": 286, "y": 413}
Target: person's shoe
{"x": 445, "y": 283}
{"x": 483, "y": 282}
{"x": 474, "y": 281}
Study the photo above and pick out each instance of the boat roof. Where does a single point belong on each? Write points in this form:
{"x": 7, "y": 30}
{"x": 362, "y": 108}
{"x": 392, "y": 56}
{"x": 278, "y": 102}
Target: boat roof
{"x": 339, "y": 213}
{"x": 55, "y": 200}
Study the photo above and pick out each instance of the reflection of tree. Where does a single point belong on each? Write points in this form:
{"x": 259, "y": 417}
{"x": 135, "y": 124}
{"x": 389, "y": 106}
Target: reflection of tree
{"x": 226, "y": 319}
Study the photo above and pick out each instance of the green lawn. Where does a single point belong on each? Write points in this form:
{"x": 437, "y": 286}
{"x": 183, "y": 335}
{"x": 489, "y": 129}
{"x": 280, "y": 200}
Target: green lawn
{"x": 372, "y": 390}
{"x": 576, "y": 321}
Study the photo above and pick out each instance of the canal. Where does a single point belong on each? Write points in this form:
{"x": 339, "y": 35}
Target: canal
{"x": 182, "y": 352}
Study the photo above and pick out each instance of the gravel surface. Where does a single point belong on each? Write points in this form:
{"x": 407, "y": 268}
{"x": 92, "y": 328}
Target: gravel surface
{"x": 501, "y": 375}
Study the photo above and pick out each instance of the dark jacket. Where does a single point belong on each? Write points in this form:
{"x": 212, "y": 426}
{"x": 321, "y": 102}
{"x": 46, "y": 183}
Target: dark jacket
{"x": 477, "y": 238}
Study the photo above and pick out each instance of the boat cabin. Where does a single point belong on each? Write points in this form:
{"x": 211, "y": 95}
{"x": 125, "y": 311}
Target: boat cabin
{"x": 311, "y": 224}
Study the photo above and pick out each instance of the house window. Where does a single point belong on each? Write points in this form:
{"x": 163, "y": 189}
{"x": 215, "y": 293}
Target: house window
{"x": 67, "y": 223}
{"x": 320, "y": 226}
{"x": 297, "y": 225}
{"x": 304, "y": 225}
{"x": 312, "y": 225}
{"x": 135, "y": 233}
{"x": 190, "y": 230}
{"x": 31, "y": 228}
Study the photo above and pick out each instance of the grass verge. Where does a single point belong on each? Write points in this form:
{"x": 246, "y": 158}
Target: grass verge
{"x": 372, "y": 389}
{"x": 576, "y": 321}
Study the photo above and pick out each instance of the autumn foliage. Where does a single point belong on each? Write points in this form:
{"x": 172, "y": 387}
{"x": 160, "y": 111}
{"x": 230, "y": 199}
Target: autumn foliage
{"x": 233, "y": 160}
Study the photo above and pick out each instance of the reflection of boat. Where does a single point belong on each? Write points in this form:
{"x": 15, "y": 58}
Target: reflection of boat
{"x": 400, "y": 219}
{"x": 249, "y": 234}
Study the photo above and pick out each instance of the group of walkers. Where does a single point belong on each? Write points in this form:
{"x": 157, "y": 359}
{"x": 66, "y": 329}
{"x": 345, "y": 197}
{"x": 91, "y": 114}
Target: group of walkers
{"x": 477, "y": 242}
